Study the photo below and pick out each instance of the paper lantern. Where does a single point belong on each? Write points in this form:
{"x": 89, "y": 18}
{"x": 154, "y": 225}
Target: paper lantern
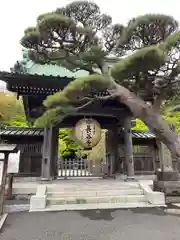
{"x": 87, "y": 132}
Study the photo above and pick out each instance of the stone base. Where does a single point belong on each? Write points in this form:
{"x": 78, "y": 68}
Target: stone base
{"x": 38, "y": 202}
{"x": 155, "y": 198}
{"x": 47, "y": 179}
{"x": 170, "y": 188}
{"x": 167, "y": 176}
{"x": 130, "y": 179}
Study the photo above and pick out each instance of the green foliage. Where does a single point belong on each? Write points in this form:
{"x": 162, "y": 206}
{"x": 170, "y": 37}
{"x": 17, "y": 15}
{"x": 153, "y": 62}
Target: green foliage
{"x": 53, "y": 116}
{"x": 147, "y": 59}
{"x": 79, "y": 36}
{"x": 174, "y": 118}
{"x": 53, "y": 21}
{"x": 67, "y": 145}
{"x": 171, "y": 42}
{"x": 84, "y": 86}
{"x": 12, "y": 114}
{"x": 147, "y": 30}
{"x": 72, "y": 33}
{"x": 94, "y": 54}
{"x": 18, "y": 121}
{"x": 12, "y": 111}
{"x": 63, "y": 103}
{"x": 87, "y": 13}
{"x": 169, "y": 113}
{"x": 77, "y": 89}
{"x": 170, "y": 110}
{"x": 140, "y": 126}
{"x": 31, "y": 37}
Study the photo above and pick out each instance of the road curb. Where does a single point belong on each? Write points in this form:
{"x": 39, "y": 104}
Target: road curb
{"x": 2, "y": 220}
{"x": 173, "y": 211}
{"x": 16, "y": 208}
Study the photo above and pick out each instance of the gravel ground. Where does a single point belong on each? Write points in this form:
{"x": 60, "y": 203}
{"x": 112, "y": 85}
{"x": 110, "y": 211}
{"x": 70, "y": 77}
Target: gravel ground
{"x": 138, "y": 224}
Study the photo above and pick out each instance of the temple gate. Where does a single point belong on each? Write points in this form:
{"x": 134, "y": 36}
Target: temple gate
{"x": 30, "y": 142}
{"x": 120, "y": 152}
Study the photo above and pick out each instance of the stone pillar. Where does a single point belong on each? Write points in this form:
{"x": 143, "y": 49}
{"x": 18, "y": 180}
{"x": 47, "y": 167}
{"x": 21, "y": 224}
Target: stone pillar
{"x": 165, "y": 158}
{"x": 166, "y": 173}
{"x": 128, "y": 148}
{"x": 167, "y": 178}
{"x": 49, "y": 154}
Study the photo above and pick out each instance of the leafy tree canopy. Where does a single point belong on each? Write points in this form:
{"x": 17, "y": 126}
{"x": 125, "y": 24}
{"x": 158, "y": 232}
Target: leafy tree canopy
{"x": 12, "y": 111}
{"x": 12, "y": 114}
{"x": 171, "y": 112}
{"x": 67, "y": 145}
{"x": 79, "y": 36}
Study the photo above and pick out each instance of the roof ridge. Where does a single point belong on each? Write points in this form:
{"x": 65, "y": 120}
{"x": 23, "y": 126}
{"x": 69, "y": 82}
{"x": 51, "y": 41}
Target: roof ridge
{"x": 20, "y": 128}
{"x": 142, "y": 131}
{"x": 26, "y": 131}
{"x": 39, "y": 128}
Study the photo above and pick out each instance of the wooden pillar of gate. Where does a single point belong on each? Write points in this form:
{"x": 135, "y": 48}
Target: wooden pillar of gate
{"x": 128, "y": 148}
{"x": 112, "y": 150}
{"x": 49, "y": 153}
{"x": 55, "y": 149}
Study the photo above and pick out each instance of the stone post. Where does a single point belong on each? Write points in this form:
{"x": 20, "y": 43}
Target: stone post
{"x": 166, "y": 162}
{"x": 165, "y": 158}
{"x": 128, "y": 148}
{"x": 168, "y": 178}
{"x": 167, "y": 172}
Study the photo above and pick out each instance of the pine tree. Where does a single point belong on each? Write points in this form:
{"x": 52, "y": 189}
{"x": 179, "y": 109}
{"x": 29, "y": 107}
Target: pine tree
{"x": 79, "y": 36}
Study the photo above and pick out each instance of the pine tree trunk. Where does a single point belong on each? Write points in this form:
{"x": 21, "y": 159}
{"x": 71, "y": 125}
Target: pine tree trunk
{"x": 152, "y": 118}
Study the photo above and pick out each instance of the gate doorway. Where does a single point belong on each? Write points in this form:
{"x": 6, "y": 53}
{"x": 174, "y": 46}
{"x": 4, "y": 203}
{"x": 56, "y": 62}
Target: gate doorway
{"x": 80, "y": 167}
{"x": 76, "y": 162}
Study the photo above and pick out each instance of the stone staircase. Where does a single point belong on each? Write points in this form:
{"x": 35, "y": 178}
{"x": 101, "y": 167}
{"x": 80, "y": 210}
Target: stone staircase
{"x": 80, "y": 196}
{"x": 95, "y": 195}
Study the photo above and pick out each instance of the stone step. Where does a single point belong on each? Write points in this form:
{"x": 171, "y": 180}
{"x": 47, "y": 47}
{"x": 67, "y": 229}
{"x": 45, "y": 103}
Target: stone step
{"x": 85, "y": 193}
{"x": 90, "y": 188}
{"x": 95, "y": 206}
{"x": 87, "y": 200}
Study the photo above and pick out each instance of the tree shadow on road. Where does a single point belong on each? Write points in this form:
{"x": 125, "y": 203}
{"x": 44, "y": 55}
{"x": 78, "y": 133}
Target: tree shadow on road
{"x": 110, "y": 214}
{"x": 101, "y": 214}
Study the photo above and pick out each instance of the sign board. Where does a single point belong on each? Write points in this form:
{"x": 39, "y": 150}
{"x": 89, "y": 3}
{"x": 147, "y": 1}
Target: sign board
{"x": 1, "y": 166}
{"x": 1, "y": 171}
{"x": 1, "y": 156}
{"x": 13, "y": 162}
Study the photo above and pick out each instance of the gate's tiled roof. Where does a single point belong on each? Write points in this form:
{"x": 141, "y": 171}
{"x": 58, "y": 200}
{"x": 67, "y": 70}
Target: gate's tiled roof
{"x": 142, "y": 134}
{"x": 12, "y": 131}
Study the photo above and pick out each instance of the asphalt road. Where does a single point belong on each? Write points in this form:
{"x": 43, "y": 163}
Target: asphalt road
{"x": 142, "y": 224}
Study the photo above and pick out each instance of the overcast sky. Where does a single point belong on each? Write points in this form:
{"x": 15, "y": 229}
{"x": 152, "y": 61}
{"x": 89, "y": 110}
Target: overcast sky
{"x": 16, "y": 15}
